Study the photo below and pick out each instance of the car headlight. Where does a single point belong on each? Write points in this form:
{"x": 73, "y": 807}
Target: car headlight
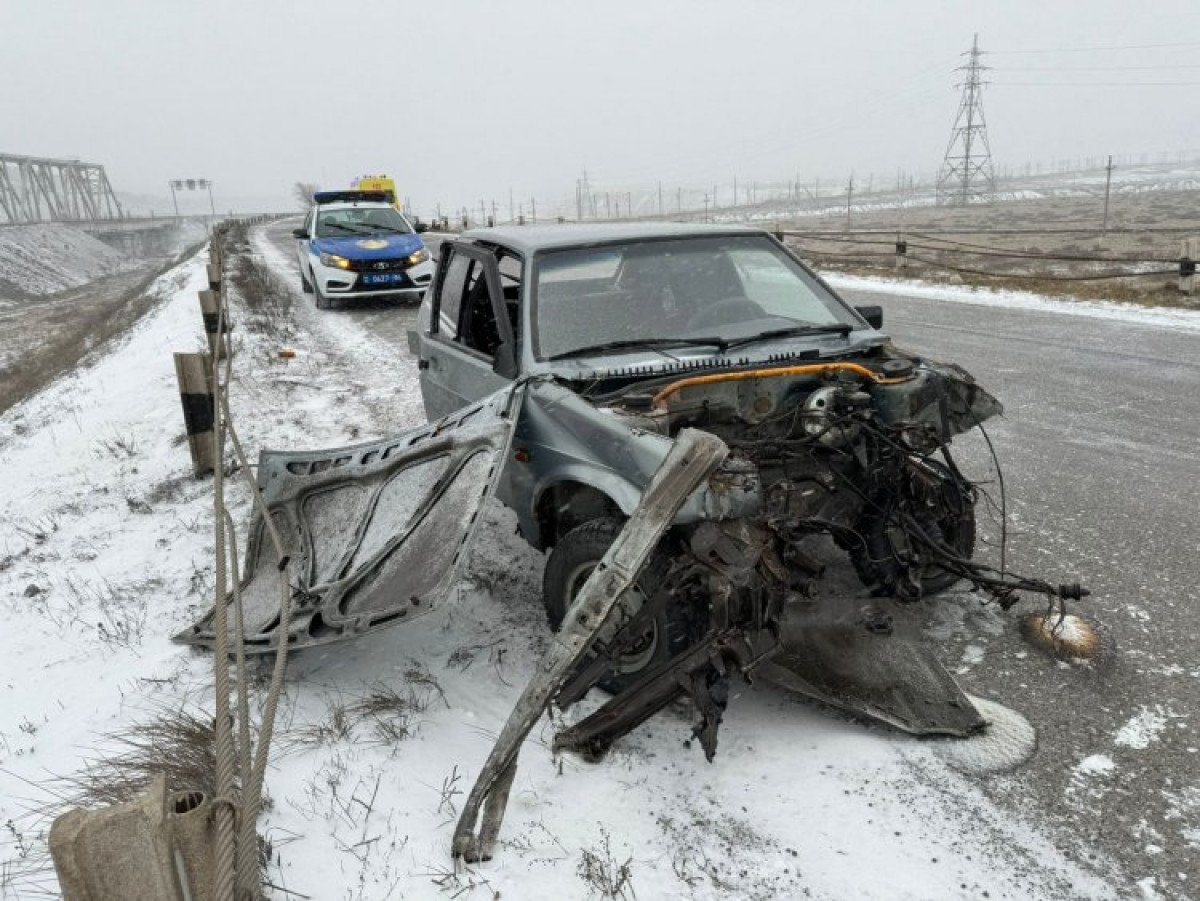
{"x": 419, "y": 257}
{"x": 332, "y": 259}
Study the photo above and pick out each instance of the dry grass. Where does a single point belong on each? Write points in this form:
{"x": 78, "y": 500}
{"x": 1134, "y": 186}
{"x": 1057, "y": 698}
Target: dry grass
{"x": 176, "y": 743}
{"x": 602, "y": 872}
{"x": 382, "y": 715}
{"x": 1153, "y": 224}
{"x": 269, "y": 303}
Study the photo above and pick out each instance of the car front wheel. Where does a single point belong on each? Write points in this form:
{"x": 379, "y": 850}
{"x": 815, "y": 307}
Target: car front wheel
{"x": 323, "y": 302}
{"x": 573, "y": 559}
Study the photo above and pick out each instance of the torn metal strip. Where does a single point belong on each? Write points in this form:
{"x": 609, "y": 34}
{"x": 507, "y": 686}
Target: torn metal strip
{"x": 691, "y": 460}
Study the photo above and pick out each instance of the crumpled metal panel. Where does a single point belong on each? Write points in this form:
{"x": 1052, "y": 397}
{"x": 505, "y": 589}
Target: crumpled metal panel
{"x": 940, "y": 394}
{"x": 375, "y": 532}
{"x": 890, "y": 674}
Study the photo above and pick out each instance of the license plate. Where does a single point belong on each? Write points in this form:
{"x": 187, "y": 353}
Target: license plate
{"x": 382, "y": 278}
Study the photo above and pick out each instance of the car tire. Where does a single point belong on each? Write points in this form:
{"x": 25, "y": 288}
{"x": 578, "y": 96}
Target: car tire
{"x": 572, "y": 560}
{"x": 305, "y": 284}
{"x": 323, "y": 302}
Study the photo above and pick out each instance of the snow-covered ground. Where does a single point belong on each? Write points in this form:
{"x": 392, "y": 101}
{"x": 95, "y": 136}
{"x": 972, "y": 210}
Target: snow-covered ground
{"x": 1147, "y": 178}
{"x": 106, "y": 549}
{"x": 43, "y": 259}
{"x": 1166, "y": 317}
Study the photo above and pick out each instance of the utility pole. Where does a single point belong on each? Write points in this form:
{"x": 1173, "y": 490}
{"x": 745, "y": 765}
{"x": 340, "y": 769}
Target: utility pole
{"x": 705, "y": 207}
{"x": 679, "y": 200}
{"x": 1107, "y": 186}
{"x": 629, "y": 204}
{"x": 966, "y": 174}
{"x": 849, "y": 197}
{"x": 171, "y": 184}
{"x": 735, "y": 198}
{"x": 714, "y": 196}
{"x": 585, "y": 190}
{"x": 533, "y": 209}
{"x": 608, "y": 204}
{"x": 578, "y": 201}
{"x": 510, "y": 205}
{"x": 660, "y": 211}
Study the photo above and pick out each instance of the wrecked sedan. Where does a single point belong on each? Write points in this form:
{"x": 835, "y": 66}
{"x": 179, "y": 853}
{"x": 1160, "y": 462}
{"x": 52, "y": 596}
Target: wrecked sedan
{"x": 559, "y": 365}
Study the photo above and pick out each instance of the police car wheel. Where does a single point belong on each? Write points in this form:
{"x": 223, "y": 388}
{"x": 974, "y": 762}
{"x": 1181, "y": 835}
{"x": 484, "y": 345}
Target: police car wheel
{"x": 323, "y": 302}
{"x": 305, "y": 284}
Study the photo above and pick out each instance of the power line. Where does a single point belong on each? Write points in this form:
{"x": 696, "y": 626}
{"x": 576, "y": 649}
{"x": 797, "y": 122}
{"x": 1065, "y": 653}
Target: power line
{"x": 1092, "y": 68}
{"x": 1095, "y": 84}
{"x": 1095, "y": 49}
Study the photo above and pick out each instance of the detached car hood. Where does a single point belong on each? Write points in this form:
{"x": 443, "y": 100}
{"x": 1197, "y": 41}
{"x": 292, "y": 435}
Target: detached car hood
{"x": 369, "y": 247}
{"x": 375, "y": 532}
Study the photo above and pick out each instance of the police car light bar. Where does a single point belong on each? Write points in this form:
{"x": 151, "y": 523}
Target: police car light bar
{"x": 351, "y": 197}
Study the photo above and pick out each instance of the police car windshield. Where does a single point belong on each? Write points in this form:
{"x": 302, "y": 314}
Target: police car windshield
{"x": 361, "y": 221}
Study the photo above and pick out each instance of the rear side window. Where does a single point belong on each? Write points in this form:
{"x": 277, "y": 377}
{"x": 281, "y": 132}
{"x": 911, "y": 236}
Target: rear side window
{"x": 450, "y": 296}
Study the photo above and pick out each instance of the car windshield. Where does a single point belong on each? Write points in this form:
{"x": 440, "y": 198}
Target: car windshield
{"x": 373, "y": 220}
{"x": 734, "y": 287}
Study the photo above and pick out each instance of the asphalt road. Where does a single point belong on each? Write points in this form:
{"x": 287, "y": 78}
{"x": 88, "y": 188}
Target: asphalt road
{"x": 1098, "y": 448}
{"x": 1098, "y": 453}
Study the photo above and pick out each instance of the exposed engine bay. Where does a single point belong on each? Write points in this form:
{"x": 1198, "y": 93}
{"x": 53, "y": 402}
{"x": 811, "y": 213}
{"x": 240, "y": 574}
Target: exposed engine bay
{"x": 850, "y": 464}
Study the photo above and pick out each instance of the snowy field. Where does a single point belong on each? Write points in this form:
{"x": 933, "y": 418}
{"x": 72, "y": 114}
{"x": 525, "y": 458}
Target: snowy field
{"x": 106, "y": 549}
{"x": 43, "y": 259}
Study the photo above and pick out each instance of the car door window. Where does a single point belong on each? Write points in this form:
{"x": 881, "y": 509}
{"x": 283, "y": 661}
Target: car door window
{"x": 451, "y": 293}
{"x": 466, "y": 315}
{"x": 511, "y": 267}
{"x": 477, "y": 327}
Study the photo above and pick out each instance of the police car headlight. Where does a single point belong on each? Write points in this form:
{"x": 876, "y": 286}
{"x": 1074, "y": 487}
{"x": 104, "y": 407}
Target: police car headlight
{"x": 332, "y": 259}
{"x": 419, "y": 257}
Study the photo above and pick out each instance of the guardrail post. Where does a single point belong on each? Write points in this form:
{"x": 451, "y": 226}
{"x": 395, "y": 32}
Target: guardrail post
{"x": 1189, "y": 252}
{"x": 194, "y": 371}
{"x": 210, "y": 312}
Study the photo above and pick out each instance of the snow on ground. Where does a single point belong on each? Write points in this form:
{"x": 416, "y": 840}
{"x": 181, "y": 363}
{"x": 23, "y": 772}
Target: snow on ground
{"x": 105, "y": 550}
{"x": 43, "y": 259}
{"x": 1164, "y": 317}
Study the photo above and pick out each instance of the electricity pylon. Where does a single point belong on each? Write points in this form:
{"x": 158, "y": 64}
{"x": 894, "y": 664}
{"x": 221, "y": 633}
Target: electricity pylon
{"x": 966, "y": 175}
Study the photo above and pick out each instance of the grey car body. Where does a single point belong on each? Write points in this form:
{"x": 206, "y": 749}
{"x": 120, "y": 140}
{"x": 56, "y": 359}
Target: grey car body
{"x": 577, "y": 458}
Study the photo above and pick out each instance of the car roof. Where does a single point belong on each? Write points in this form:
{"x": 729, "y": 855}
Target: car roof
{"x": 532, "y": 238}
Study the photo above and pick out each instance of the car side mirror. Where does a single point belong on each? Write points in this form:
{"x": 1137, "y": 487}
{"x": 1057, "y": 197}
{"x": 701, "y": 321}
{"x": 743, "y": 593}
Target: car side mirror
{"x": 504, "y": 361}
{"x": 873, "y": 313}
{"x": 299, "y": 233}
{"x": 422, "y": 227}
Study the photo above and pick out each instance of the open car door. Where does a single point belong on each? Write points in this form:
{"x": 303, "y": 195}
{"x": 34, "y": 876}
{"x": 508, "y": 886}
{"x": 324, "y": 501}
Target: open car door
{"x": 376, "y": 533}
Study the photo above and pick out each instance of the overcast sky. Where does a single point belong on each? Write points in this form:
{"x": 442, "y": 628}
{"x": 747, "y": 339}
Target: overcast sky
{"x": 463, "y": 100}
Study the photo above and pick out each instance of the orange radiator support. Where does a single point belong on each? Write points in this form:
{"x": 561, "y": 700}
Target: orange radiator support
{"x": 818, "y": 369}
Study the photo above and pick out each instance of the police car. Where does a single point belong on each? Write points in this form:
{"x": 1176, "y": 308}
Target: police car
{"x": 355, "y": 245}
